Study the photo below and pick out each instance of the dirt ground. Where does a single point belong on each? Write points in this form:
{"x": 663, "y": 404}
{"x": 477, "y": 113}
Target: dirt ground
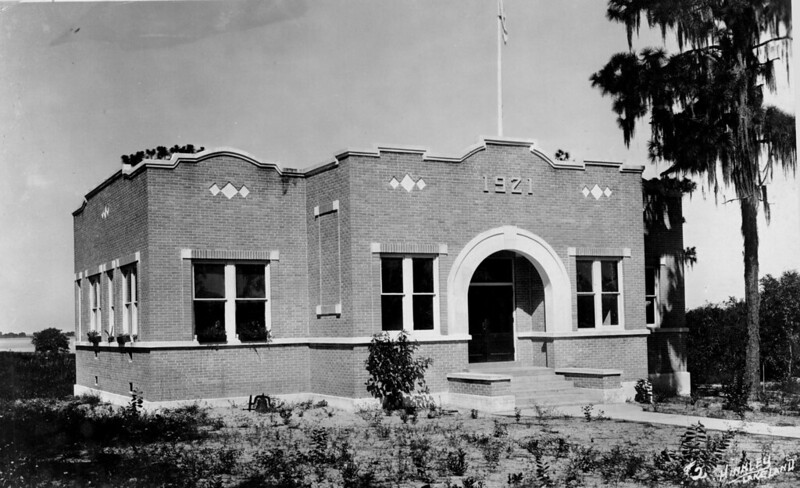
{"x": 772, "y": 413}
{"x": 495, "y": 448}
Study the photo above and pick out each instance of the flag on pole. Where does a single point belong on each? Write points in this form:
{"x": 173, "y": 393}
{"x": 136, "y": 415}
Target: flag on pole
{"x": 501, "y": 13}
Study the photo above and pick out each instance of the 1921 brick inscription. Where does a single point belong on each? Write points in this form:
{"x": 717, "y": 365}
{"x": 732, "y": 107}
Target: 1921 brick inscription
{"x": 508, "y": 184}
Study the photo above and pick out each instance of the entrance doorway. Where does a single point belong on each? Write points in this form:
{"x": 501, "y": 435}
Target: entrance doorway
{"x": 491, "y": 310}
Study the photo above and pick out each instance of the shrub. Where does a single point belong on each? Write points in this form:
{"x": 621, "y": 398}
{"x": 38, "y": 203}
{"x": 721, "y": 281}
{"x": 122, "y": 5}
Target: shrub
{"x": 27, "y": 375}
{"x": 160, "y": 152}
{"x": 50, "y": 340}
{"x": 393, "y": 370}
{"x": 717, "y": 333}
{"x": 644, "y": 391}
{"x": 716, "y": 341}
{"x": 620, "y": 464}
{"x": 697, "y": 455}
{"x": 456, "y": 462}
{"x": 736, "y": 392}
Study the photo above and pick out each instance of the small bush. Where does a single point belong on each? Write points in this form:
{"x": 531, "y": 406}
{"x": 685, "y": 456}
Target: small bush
{"x": 620, "y": 464}
{"x": 393, "y": 370}
{"x": 736, "y": 393}
{"x": 644, "y": 391}
{"x": 456, "y": 462}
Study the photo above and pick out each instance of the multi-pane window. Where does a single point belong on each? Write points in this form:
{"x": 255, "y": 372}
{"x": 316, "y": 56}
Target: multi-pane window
{"x": 408, "y": 293}
{"x": 79, "y": 294}
{"x": 251, "y": 301}
{"x": 230, "y": 299}
{"x": 651, "y": 295}
{"x": 130, "y": 300}
{"x": 95, "y": 310}
{"x": 599, "y": 293}
{"x": 111, "y": 306}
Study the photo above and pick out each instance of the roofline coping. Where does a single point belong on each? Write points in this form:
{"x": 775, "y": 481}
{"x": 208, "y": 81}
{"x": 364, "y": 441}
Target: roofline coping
{"x": 177, "y": 158}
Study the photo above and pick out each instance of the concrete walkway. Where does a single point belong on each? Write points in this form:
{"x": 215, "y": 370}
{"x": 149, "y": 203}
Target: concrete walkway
{"x": 633, "y": 413}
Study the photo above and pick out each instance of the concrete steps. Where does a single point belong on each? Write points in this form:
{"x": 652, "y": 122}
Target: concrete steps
{"x": 539, "y": 386}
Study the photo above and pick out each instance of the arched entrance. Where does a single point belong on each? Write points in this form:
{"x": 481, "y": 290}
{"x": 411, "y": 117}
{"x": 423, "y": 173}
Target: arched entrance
{"x": 551, "y": 270}
{"x": 491, "y": 303}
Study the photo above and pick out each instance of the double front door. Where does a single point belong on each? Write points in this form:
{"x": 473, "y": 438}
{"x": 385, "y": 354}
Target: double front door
{"x": 491, "y": 312}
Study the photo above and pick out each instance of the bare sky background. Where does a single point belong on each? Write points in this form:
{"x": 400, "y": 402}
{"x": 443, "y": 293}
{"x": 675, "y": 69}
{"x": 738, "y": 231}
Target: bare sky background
{"x": 293, "y": 82}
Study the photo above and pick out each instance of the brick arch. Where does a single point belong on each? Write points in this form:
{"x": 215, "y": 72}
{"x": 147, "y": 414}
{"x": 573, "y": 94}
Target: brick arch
{"x": 557, "y": 290}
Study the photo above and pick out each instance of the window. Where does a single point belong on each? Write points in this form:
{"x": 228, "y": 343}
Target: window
{"x": 130, "y": 300}
{"x": 111, "y": 302}
{"x": 651, "y": 295}
{"x": 230, "y": 299}
{"x": 95, "y": 319}
{"x": 79, "y": 295}
{"x": 409, "y": 293}
{"x": 599, "y": 293}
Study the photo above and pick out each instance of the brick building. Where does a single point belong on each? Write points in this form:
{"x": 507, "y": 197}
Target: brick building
{"x": 498, "y": 261}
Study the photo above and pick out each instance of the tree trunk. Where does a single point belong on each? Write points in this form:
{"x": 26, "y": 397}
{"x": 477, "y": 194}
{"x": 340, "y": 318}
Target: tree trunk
{"x": 752, "y": 298}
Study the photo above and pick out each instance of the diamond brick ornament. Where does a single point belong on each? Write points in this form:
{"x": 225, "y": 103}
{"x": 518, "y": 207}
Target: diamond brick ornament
{"x": 407, "y": 183}
{"x": 243, "y": 191}
{"x": 597, "y": 192}
{"x": 394, "y": 183}
{"x": 229, "y": 191}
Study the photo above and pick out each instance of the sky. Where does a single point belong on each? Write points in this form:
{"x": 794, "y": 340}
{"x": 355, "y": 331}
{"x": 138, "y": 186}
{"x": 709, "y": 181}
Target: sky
{"x": 293, "y": 82}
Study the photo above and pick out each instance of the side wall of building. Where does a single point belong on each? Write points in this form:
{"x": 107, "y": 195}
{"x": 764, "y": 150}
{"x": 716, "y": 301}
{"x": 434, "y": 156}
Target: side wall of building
{"x": 664, "y": 253}
{"x": 112, "y": 225}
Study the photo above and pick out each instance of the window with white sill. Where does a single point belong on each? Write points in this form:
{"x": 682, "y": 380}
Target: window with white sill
{"x": 130, "y": 300}
{"x": 95, "y": 309}
{"x": 409, "y": 293}
{"x": 231, "y": 300}
{"x": 651, "y": 296}
{"x": 599, "y": 293}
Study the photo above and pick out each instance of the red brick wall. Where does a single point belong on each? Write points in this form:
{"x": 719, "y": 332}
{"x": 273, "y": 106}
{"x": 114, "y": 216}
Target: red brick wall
{"x": 159, "y": 212}
{"x": 339, "y": 369}
{"x": 666, "y": 352}
{"x": 322, "y": 189}
{"x": 99, "y": 240}
{"x": 626, "y": 353}
{"x": 453, "y": 208}
{"x": 200, "y": 372}
{"x": 185, "y": 215}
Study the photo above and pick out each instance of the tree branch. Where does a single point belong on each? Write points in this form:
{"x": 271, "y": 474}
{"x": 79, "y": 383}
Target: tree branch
{"x": 774, "y": 39}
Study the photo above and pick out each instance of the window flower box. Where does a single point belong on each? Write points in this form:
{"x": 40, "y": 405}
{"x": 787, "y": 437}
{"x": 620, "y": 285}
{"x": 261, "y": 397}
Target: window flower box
{"x": 253, "y": 331}
{"x": 94, "y": 337}
{"x": 215, "y": 333}
{"x": 123, "y": 338}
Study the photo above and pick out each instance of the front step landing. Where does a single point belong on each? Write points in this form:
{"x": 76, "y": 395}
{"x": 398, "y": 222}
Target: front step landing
{"x": 540, "y": 386}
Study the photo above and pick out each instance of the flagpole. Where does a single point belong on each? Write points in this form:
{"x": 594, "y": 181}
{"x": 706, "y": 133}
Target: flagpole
{"x": 500, "y": 68}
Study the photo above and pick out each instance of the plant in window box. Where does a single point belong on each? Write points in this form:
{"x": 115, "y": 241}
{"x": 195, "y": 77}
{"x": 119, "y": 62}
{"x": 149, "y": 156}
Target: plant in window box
{"x": 134, "y": 337}
{"x": 94, "y": 337}
{"x": 110, "y": 336}
{"x": 254, "y": 330}
{"x": 214, "y": 333}
{"x": 123, "y": 338}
